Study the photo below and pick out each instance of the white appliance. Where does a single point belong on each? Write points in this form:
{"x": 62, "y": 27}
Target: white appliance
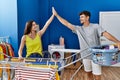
{"x": 56, "y": 55}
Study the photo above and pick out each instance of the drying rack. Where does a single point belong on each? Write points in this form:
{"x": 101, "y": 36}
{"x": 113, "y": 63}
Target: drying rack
{"x": 68, "y": 60}
{"x": 44, "y": 68}
{"x": 29, "y": 64}
{"x": 44, "y": 65}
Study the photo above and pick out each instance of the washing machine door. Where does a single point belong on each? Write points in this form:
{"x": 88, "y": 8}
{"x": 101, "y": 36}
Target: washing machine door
{"x": 56, "y": 55}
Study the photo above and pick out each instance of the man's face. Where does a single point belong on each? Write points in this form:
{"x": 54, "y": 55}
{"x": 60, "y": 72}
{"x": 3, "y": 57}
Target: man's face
{"x": 83, "y": 18}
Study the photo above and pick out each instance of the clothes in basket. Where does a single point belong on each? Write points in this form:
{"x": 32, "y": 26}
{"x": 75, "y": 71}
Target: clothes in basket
{"x": 104, "y": 55}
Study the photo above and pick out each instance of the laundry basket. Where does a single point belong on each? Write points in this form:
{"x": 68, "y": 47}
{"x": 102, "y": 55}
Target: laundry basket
{"x": 105, "y": 56}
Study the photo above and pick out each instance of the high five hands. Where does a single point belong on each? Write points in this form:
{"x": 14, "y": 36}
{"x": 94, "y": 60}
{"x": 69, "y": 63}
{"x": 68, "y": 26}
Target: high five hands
{"x": 54, "y": 12}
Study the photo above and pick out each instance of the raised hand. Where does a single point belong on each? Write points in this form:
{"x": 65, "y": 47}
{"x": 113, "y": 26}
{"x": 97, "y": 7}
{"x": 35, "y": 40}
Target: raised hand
{"x": 54, "y": 12}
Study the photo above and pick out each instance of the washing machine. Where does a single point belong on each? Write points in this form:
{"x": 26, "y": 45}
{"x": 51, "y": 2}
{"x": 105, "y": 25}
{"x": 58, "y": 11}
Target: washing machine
{"x": 56, "y": 55}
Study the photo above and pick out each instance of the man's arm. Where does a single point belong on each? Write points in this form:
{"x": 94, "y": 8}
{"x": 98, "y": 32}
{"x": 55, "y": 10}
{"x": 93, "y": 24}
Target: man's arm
{"x": 111, "y": 38}
{"x": 62, "y": 20}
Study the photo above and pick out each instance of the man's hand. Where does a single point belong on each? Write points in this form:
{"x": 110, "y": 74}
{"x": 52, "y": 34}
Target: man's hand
{"x": 118, "y": 44}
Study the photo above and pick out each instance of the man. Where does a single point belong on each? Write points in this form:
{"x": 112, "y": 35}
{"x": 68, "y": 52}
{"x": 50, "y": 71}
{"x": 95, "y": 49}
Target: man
{"x": 89, "y": 35}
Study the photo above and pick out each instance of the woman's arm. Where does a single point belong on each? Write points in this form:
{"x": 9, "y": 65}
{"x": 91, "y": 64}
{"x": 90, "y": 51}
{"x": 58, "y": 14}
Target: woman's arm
{"x": 21, "y": 47}
{"x": 42, "y": 31}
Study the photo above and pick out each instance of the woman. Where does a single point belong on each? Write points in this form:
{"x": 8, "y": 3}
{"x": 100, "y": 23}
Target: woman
{"x": 32, "y": 39}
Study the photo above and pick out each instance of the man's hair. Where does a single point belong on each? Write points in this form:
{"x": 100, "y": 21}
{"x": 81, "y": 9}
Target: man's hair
{"x": 86, "y": 13}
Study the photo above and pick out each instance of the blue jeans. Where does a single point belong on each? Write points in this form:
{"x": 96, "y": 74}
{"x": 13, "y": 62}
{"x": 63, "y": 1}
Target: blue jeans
{"x": 46, "y": 54}
{"x": 35, "y": 55}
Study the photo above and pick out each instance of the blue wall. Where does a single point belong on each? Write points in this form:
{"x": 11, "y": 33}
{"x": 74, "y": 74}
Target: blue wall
{"x": 8, "y": 21}
{"x": 40, "y": 11}
{"x": 69, "y": 9}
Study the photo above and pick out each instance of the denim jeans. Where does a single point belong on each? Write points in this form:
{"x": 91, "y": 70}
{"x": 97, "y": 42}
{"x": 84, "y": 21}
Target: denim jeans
{"x": 35, "y": 55}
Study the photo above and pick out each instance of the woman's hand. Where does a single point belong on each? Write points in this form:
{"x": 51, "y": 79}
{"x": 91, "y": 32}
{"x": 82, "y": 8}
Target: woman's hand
{"x": 20, "y": 58}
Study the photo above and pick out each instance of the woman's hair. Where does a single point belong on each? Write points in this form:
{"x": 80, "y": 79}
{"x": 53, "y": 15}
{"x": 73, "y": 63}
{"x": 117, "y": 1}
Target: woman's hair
{"x": 28, "y": 27}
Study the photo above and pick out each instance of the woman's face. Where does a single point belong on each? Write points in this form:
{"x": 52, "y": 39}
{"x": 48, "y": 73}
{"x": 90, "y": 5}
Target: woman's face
{"x": 34, "y": 26}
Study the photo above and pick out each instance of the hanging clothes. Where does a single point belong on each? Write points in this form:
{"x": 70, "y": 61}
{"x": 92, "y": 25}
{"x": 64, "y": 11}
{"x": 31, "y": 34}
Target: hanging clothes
{"x": 5, "y": 51}
{"x": 38, "y": 73}
{"x": 10, "y": 50}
